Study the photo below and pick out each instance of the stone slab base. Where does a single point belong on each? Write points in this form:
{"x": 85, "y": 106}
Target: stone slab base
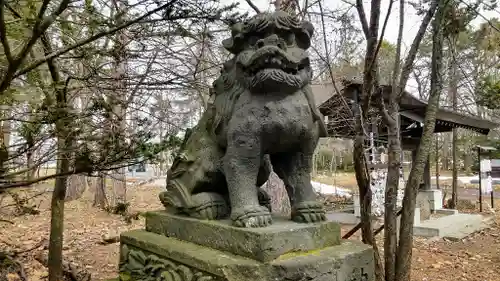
{"x": 453, "y": 227}
{"x": 446, "y": 212}
{"x": 262, "y": 244}
{"x": 343, "y": 218}
{"x": 145, "y": 254}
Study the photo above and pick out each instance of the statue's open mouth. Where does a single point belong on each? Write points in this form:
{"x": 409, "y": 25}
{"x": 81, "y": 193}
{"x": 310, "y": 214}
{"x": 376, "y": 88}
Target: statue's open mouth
{"x": 277, "y": 63}
{"x": 273, "y": 67}
{"x": 276, "y": 60}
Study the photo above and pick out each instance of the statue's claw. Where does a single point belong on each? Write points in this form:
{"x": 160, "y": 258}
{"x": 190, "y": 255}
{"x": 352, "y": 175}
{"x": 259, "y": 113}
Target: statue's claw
{"x": 251, "y": 216}
{"x": 264, "y": 199}
{"x": 308, "y": 212}
{"x": 208, "y": 206}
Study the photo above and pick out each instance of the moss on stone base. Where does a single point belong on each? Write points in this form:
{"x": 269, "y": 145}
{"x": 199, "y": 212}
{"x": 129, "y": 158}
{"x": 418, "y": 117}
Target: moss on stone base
{"x": 349, "y": 261}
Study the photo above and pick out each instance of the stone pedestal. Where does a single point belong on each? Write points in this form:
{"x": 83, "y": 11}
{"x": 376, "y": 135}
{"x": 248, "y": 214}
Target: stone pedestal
{"x": 434, "y": 196}
{"x": 180, "y": 248}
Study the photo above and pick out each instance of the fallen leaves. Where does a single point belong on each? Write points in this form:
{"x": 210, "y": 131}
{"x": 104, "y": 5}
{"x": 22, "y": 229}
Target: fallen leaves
{"x": 475, "y": 258}
{"x": 85, "y": 229}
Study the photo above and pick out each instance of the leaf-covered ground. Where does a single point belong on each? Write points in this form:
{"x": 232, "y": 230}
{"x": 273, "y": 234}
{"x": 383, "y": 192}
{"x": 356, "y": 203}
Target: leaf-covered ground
{"x": 475, "y": 258}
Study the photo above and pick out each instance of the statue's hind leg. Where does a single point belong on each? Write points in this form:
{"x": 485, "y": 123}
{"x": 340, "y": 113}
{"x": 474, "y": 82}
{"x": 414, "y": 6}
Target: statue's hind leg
{"x": 294, "y": 169}
{"x": 241, "y": 167}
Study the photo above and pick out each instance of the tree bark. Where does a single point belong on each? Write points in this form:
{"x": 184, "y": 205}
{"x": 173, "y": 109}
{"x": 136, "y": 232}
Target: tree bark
{"x": 361, "y": 117}
{"x": 5, "y": 138}
{"x": 453, "y": 88}
{"x": 119, "y": 122}
{"x": 64, "y": 143}
{"x": 404, "y": 252}
{"x": 391, "y": 118}
{"x": 77, "y": 184}
{"x": 100, "y": 199}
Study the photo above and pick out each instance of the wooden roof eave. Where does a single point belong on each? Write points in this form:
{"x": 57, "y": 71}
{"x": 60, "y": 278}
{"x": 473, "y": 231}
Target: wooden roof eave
{"x": 411, "y": 107}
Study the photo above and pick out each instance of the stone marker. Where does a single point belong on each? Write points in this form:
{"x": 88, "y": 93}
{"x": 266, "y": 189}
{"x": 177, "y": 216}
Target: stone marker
{"x": 218, "y": 224}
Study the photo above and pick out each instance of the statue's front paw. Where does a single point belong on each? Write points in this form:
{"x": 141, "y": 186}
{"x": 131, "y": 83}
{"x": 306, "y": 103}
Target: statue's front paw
{"x": 251, "y": 216}
{"x": 308, "y": 212}
{"x": 208, "y": 206}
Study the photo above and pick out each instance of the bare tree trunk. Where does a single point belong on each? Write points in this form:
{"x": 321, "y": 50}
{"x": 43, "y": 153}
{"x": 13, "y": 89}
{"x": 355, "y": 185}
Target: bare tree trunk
{"x": 453, "y": 87}
{"x": 119, "y": 187}
{"x": 446, "y": 152}
{"x": 29, "y": 165}
{"x": 57, "y": 213}
{"x": 77, "y": 184}
{"x": 64, "y": 143}
{"x": 119, "y": 123}
{"x": 5, "y": 138}
{"x": 361, "y": 117}
{"x": 391, "y": 117}
{"x": 404, "y": 252}
{"x": 100, "y": 199}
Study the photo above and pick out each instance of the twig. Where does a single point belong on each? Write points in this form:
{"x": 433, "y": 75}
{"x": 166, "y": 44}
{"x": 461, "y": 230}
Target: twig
{"x": 251, "y": 4}
{"x": 11, "y": 260}
{"x": 358, "y": 226}
{"x": 7, "y": 221}
{"x": 37, "y": 245}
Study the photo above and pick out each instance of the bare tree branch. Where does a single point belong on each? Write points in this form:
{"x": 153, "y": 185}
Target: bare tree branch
{"x": 362, "y": 17}
{"x": 382, "y": 33}
{"x": 38, "y": 30}
{"x": 251, "y": 4}
{"x": 410, "y": 58}
{"x": 84, "y": 42}
{"x": 3, "y": 34}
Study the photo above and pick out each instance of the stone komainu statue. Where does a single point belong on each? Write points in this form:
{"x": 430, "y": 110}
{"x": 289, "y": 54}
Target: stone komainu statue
{"x": 261, "y": 113}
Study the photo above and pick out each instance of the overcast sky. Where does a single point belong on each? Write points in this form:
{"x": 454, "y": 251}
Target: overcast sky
{"x": 411, "y": 24}
{"x": 412, "y": 20}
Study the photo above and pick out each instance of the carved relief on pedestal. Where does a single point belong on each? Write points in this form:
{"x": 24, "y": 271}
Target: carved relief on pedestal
{"x": 135, "y": 265}
{"x": 358, "y": 274}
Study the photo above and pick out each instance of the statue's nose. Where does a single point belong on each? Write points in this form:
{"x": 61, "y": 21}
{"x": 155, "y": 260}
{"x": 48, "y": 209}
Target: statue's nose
{"x": 272, "y": 40}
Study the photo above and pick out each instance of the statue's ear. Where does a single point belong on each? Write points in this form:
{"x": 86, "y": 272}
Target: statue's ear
{"x": 235, "y": 43}
{"x": 304, "y": 35}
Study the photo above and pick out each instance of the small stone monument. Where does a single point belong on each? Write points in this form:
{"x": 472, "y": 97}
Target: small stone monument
{"x": 217, "y": 222}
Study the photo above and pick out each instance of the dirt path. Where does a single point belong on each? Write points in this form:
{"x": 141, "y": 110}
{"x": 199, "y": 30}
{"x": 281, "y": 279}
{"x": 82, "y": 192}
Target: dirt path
{"x": 475, "y": 258}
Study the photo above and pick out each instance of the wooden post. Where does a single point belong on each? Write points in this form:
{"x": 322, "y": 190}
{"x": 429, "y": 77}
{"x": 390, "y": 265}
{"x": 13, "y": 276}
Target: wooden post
{"x": 480, "y": 191}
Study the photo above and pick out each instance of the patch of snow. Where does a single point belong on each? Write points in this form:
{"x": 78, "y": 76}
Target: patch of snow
{"x": 318, "y": 187}
{"x": 466, "y": 180}
{"x": 330, "y": 189}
